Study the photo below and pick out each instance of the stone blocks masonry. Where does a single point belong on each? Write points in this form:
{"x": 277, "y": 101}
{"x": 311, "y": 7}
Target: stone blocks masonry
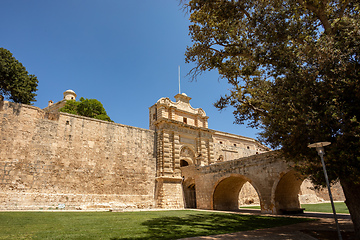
{"x": 53, "y": 160}
{"x": 49, "y": 160}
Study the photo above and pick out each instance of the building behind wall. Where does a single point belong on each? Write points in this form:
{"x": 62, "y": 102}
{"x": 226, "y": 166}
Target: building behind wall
{"x": 50, "y": 159}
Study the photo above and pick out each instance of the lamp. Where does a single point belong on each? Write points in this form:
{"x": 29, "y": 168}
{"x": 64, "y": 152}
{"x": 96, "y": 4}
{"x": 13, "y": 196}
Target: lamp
{"x": 320, "y": 150}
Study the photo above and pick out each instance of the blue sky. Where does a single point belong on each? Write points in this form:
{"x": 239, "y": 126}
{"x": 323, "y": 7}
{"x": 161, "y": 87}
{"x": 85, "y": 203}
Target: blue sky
{"x": 124, "y": 53}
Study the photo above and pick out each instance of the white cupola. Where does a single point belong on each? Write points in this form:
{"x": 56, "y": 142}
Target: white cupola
{"x": 69, "y": 95}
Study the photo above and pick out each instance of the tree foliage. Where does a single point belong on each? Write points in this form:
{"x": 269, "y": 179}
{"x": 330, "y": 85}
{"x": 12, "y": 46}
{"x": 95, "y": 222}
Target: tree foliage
{"x": 294, "y": 69}
{"x": 86, "y": 107}
{"x": 15, "y": 82}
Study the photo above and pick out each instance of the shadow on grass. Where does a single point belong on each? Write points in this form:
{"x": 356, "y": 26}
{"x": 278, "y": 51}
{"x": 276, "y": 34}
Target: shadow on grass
{"x": 210, "y": 224}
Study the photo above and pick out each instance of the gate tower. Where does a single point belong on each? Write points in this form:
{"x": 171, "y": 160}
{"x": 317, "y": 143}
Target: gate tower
{"x": 182, "y": 139}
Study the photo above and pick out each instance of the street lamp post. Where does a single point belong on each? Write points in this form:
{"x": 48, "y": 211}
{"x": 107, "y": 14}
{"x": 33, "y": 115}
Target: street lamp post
{"x": 320, "y": 150}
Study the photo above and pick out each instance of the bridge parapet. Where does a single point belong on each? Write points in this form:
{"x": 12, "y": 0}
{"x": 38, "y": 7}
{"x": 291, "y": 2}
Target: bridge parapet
{"x": 264, "y": 159}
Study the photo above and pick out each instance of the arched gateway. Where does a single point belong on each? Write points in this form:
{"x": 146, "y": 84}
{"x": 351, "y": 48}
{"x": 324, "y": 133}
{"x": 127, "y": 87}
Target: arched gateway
{"x": 197, "y": 163}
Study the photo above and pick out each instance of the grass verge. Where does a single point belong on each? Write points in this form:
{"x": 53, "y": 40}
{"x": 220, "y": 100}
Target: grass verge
{"x": 130, "y": 225}
{"x": 340, "y": 207}
{"x": 318, "y": 207}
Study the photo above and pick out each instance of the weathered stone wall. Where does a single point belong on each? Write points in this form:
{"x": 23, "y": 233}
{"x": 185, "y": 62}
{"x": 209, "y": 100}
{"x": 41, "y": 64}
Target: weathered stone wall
{"x": 229, "y": 146}
{"x": 248, "y": 195}
{"x": 50, "y": 160}
{"x": 82, "y": 163}
{"x": 308, "y": 194}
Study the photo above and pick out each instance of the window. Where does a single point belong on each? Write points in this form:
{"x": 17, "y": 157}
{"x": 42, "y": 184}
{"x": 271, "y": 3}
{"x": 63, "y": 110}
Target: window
{"x": 185, "y": 120}
{"x": 234, "y": 144}
{"x": 183, "y": 163}
{"x": 220, "y": 142}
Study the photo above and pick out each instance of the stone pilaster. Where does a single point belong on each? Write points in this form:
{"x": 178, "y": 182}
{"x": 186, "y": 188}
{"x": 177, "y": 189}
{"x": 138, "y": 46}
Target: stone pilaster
{"x": 203, "y": 151}
{"x": 167, "y": 149}
{"x": 176, "y": 151}
{"x": 198, "y": 151}
{"x": 206, "y": 122}
{"x": 211, "y": 156}
{"x": 172, "y": 113}
{"x": 161, "y": 112}
{"x": 159, "y": 155}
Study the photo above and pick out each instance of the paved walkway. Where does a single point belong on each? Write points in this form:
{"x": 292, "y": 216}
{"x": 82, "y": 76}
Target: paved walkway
{"x": 322, "y": 229}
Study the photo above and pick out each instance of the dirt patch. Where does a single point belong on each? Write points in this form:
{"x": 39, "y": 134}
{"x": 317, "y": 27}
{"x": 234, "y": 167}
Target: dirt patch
{"x": 329, "y": 234}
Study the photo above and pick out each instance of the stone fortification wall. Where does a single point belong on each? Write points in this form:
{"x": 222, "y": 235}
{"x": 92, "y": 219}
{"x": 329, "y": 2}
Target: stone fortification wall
{"x": 61, "y": 160}
{"x": 229, "y": 146}
{"x": 308, "y": 193}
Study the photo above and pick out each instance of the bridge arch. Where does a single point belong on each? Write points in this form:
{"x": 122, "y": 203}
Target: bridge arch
{"x": 285, "y": 192}
{"x": 226, "y": 192}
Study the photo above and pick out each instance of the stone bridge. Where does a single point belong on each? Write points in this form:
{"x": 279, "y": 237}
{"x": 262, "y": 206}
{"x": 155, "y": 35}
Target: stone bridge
{"x": 217, "y": 186}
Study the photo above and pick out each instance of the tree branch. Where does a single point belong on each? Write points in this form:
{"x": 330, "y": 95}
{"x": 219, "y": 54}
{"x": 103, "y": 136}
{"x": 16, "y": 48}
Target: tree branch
{"x": 244, "y": 53}
{"x": 319, "y": 13}
{"x": 259, "y": 110}
{"x": 342, "y": 9}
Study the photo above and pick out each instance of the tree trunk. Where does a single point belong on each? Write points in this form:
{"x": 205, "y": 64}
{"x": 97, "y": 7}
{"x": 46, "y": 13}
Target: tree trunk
{"x": 352, "y": 195}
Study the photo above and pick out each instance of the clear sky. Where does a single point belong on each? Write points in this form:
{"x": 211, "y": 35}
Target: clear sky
{"x": 124, "y": 53}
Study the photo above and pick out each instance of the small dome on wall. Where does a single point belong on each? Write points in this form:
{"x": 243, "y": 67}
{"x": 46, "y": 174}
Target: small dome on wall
{"x": 69, "y": 95}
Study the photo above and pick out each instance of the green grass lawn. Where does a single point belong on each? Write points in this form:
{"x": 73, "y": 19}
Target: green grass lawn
{"x": 340, "y": 207}
{"x": 129, "y": 225}
{"x": 319, "y": 207}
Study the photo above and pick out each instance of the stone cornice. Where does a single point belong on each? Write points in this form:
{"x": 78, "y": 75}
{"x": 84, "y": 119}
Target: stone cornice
{"x": 169, "y": 179}
{"x": 180, "y": 105}
{"x": 181, "y": 127}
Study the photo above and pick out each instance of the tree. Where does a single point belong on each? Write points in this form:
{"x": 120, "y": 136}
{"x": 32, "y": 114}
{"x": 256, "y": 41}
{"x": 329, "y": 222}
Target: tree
{"x": 15, "y": 82}
{"x": 70, "y": 107}
{"x": 86, "y": 107}
{"x": 294, "y": 68}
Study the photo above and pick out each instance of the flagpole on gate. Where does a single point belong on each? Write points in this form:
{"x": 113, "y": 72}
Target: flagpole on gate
{"x": 179, "y": 78}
